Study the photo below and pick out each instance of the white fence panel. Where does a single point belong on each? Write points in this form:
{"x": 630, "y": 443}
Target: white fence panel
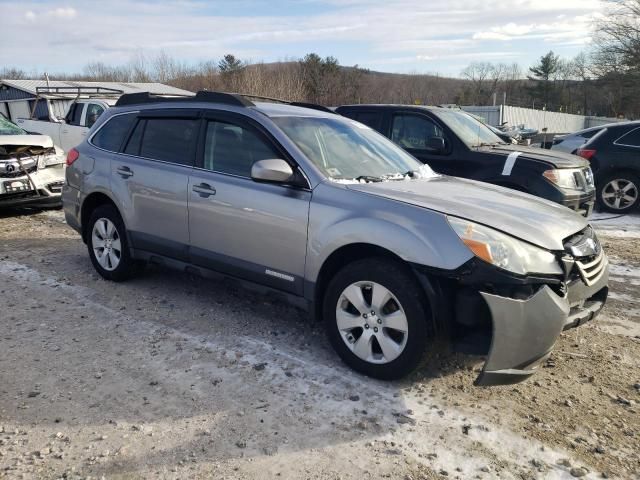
{"x": 596, "y": 121}
{"x": 491, "y": 115}
{"x": 554, "y": 122}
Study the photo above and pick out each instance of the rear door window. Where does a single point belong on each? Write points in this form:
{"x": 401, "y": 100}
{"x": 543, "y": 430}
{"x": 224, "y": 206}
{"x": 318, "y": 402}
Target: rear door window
{"x": 631, "y": 139}
{"x": 170, "y": 140}
{"x": 112, "y": 134}
{"x": 370, "y": 119}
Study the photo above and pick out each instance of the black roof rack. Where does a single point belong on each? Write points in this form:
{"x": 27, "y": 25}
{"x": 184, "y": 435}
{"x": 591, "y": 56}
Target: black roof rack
{"x": 78, "y": 91}
{"x": 235, "y": 99}
{"x": 313, "y": 106}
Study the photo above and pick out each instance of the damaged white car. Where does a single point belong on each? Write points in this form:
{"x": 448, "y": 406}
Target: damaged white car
{"x": 31, "y": 168}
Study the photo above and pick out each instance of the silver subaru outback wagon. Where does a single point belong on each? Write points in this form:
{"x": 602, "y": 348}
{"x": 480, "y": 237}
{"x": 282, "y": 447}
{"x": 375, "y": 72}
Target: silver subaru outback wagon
{"x": 344, "y": 223}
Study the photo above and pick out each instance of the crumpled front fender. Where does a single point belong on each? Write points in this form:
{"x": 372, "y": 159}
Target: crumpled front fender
{"x": 524, "y": 333}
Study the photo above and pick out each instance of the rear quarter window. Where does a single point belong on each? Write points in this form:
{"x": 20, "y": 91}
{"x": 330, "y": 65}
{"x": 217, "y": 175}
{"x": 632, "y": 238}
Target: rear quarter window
{"x": 112, "y": 134}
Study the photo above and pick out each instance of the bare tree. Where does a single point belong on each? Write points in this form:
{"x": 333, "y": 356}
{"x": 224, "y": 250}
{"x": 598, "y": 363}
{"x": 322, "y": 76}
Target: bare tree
{"x": 618, "y": 33}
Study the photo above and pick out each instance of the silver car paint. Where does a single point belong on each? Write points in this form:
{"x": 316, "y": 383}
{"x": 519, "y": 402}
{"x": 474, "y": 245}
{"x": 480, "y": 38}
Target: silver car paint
{"x": 538, "y": 221}
{"x": 340, "y": 216}
{"x": 262, "y": 224}
{"x": 153, "y": 198}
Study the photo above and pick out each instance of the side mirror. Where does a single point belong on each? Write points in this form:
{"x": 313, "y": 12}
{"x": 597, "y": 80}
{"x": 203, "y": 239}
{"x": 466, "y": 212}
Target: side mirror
{"x": 271, "y": 170}
{"x": 436, "y": 144}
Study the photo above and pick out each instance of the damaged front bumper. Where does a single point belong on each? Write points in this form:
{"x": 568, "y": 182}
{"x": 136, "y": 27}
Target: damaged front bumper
{"x": 41, "y": 187}
{"x": 525, "y": 330}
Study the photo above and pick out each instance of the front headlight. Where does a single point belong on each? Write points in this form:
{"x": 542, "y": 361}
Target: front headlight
{"x": 56, "y": 158}
{"x": 504, "y": 251}
{"x": 564, "y": 178}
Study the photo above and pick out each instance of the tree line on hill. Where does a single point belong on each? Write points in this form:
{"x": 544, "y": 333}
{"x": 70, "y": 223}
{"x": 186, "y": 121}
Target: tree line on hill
{"x": 602, "y": 81}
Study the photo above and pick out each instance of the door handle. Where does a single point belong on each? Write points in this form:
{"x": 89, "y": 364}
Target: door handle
{"x": 204, "y": 190}
{"x": 124, "y": 172}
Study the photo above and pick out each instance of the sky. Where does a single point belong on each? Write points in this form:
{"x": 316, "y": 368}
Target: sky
{"x": 424, "y": 36}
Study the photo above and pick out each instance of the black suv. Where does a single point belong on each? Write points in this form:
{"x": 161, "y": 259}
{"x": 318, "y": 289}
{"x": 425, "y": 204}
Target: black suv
{"x": 454, "y": 143}
{"x": 614, "y": 153}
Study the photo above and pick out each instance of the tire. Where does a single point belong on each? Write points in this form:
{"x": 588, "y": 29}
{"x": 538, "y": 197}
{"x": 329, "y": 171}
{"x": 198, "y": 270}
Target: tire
{"x": 106, "y": 233}
{"x": 348, "y": 326}
{"x": 619, "y": 192}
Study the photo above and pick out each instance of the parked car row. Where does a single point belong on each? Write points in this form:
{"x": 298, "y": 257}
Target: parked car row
{"x": 332, "y": 214}
{"x": 454, "y": 143}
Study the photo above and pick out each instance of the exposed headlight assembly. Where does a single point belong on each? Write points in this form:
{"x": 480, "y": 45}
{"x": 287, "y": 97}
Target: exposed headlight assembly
{"x": 564, "y": 178}
{"x": 504, "y": 251}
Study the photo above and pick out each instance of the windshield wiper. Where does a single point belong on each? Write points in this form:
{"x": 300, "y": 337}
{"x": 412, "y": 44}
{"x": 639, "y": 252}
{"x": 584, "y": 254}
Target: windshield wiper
{"x": 369, "y": 178}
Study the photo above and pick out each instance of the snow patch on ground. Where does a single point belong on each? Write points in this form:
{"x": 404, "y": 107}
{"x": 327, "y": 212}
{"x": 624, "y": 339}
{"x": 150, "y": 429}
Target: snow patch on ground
{"x": 621, "y": 226}
{"x": 429, "y": 428}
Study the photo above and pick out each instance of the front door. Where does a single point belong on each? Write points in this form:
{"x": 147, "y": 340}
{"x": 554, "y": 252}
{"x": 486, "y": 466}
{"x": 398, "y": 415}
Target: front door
{"x": 256, "y": 231}
{"x": 73, "y": 132}
{"x": 412, "y": 132}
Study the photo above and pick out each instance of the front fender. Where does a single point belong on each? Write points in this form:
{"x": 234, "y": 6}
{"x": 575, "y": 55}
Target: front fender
{"x": 338, "y": 218}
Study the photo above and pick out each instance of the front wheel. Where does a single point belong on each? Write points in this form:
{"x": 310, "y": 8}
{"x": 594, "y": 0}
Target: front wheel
{"x": 377, "y": 318}
{"x": 619, "y": 192}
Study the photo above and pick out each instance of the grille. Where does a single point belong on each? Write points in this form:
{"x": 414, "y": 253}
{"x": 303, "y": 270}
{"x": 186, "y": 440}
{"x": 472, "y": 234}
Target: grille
{"x": 18, "y": 172}
{"x": 591, "y": 268}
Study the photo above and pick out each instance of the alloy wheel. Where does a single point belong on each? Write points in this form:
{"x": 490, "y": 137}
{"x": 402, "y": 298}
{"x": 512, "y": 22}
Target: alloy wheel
{"x": 105, "y": 241}
{"x": 619, "y": 194}
{"x": 372, "y": 322}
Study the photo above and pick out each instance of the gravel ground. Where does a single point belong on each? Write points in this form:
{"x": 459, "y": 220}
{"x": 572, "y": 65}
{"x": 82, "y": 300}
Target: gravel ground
{"x": 173, "y": 376}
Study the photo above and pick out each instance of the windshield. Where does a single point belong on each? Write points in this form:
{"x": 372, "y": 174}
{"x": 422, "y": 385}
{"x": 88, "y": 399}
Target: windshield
{"x": 347, "y": 150}
{"x": 471, "y": 131}
{"x": 10, "y": 128}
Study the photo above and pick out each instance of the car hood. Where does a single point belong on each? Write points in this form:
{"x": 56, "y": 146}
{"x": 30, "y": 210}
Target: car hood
{"x": 553, "y": 157}
{"x": 43, "y": 141}
{"x": 521, "y": 215}
{"x": 12, "y": 145}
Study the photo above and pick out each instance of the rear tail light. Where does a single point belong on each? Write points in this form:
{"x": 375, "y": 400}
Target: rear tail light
{"x": 72, "y": 156}
{"x": 586, "y": 153}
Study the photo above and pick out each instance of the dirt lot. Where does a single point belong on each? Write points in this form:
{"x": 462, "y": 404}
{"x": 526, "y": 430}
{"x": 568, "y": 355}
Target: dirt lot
{"x": 172, "y": 376}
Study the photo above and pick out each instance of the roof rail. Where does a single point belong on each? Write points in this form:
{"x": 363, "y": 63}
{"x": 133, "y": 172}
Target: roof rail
{"x": 202, "y": 96}
{"x": 235, "y": 99}
{"x": 313, "y": 106}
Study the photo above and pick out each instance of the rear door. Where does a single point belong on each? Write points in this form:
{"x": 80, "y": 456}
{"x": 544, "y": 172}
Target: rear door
{"x": 255, "y": 231}
{"x": 151, "y": 180}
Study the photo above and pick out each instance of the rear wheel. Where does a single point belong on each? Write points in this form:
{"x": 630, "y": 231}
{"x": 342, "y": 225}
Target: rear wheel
{"x": 107, "y": 244}
{"x": 619, "y": 192}
{"x": 376, "y": 318}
